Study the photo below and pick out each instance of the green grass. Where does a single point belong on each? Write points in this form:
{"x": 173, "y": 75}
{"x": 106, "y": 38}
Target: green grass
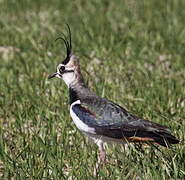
{"x": 131, "y": 52}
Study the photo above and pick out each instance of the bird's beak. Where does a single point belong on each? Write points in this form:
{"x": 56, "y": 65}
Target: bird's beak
{"x": 52, "y": 75}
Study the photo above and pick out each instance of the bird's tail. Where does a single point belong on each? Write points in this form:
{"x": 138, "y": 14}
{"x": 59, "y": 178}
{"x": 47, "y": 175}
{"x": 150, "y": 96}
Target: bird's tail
{"x": 164, "y": 138}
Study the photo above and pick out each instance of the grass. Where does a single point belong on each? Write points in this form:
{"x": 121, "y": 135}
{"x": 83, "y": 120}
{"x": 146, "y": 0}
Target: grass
{"x": 131, "y": 52}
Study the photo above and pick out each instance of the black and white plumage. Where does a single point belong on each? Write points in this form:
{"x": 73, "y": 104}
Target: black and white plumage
{"x": 101, "y": 119}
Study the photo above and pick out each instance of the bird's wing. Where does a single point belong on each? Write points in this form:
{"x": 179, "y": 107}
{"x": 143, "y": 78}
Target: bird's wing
{"x": 108, "y": 113}
{"x": 111, "y": 120}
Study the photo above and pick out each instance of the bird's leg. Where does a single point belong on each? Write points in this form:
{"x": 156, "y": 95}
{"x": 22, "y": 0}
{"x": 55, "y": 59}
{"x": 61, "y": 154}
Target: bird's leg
{"x": 102, "y": 153}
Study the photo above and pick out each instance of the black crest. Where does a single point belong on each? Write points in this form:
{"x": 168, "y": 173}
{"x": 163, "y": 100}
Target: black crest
{"x": 67, "y": 42}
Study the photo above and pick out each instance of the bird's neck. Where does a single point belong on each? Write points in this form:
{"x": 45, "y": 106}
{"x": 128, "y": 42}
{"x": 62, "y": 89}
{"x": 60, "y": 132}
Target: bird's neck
{"x": 78, "y": 89}
{"x": 79, "y": 92}
{"x": 73, "y": 95}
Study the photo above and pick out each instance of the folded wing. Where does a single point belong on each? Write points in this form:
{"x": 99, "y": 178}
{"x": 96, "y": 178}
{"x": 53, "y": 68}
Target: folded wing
{"x": 111, "y": 120}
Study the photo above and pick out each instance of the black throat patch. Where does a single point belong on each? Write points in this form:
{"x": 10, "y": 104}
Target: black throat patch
{"x": 73, "y": 95}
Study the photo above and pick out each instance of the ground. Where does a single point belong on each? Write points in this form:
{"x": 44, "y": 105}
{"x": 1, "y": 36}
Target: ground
{"x": 131, "y": 52}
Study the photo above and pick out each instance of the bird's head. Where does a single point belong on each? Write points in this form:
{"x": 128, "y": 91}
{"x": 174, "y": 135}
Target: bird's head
{"x": 68, "y": 69}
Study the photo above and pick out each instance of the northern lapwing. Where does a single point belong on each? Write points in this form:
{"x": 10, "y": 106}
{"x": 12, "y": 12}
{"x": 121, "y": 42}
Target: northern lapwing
{"x": 100, "y": 119}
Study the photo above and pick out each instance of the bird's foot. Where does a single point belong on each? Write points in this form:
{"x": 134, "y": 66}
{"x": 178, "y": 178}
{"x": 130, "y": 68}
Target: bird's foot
{"x": 102, "y": 156}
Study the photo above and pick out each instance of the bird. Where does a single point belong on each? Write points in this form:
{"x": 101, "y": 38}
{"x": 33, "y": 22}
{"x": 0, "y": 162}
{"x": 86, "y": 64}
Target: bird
{"x": 101, "y": 119}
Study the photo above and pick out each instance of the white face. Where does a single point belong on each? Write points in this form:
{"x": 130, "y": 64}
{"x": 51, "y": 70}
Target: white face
{"x": 66, "y": 73}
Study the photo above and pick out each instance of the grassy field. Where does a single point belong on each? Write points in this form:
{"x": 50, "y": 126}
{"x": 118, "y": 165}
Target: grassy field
{"x": 132, "y": 52}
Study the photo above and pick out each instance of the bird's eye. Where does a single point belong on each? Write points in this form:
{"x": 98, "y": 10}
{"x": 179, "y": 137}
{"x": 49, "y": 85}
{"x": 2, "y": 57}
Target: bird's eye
{"x": 62, "y": 69}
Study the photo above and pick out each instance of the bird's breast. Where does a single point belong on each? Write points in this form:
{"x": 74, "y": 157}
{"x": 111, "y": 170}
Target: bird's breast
{"x": 78, "y": 122}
